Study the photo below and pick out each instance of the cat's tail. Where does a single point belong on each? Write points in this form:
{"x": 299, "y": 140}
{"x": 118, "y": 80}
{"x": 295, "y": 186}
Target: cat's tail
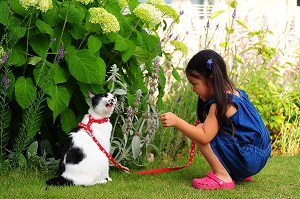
{"x": 59, "y": 181}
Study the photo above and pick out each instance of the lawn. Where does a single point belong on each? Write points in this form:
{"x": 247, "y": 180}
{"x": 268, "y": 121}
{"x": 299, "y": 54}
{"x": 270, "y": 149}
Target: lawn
{"x": 279, "y": 179}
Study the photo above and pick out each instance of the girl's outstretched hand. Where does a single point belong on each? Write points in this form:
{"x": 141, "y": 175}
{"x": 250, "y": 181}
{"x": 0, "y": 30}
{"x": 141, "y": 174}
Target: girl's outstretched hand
{"x": 168, "y": 119}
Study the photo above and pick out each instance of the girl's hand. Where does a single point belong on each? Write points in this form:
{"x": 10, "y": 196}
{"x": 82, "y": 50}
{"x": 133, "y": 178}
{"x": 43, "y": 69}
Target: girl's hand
{"x": 168, "y": 119}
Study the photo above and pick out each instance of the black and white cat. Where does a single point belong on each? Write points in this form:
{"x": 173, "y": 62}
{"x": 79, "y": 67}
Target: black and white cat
{"x": 82, "y": 162}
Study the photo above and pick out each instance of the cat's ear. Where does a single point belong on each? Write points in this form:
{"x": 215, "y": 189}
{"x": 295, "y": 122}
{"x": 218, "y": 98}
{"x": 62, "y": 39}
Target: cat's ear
{"x": 91, "y": 95}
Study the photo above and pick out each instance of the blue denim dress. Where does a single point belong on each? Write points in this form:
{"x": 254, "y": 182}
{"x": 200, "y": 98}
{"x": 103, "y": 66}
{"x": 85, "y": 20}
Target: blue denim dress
{"x": 246, "y": 152}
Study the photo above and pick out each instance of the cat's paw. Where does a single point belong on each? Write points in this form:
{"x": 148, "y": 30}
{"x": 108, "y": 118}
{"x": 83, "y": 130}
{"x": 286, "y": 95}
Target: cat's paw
{"x": 102, "y": 181}
{"x": 108, "y": 179}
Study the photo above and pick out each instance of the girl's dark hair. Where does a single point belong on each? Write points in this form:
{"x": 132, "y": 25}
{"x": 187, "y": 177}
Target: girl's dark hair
{"x": 197, "y": 67}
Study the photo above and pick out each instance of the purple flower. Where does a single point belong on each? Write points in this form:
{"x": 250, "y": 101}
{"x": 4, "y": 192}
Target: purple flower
{"x": 129, "y": 111}
{"x": 187, "y": 32}
{"x": 53, "y": 40}
{"x": 179, "y": 99}
{"x": 5, "y": 82}
{"x": 176, "y": 37}
{"x": 181, "y": 12}
{"x": 207, "y": 24}
{"x": 170, "y": 36}
{"x": 61, "y": 53}
{"x": 217, "y": 26}
{"x": 4, "y": 59}
{"x": 234, "y": 14}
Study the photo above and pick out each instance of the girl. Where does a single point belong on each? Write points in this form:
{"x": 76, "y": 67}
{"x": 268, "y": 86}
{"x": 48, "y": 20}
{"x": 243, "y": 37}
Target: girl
{"x": 232, "y": 138}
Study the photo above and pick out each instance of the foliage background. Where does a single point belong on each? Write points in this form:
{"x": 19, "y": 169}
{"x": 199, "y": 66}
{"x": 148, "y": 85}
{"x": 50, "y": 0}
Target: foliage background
{"x": 53, "y": 52}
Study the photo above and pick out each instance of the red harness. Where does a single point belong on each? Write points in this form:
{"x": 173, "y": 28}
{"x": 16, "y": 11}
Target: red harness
{"x": 87, "y": 127}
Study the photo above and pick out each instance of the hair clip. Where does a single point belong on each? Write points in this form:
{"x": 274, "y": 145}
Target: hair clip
{"x": 209, "y": 64}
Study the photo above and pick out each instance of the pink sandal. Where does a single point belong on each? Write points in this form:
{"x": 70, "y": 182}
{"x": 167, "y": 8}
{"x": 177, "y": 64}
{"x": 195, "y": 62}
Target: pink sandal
{"x": 211, "y": 181}
{"x": 248, "y": 179}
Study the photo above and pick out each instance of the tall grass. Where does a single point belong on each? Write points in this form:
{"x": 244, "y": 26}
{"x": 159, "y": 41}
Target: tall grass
{"x": 182, "y": 101}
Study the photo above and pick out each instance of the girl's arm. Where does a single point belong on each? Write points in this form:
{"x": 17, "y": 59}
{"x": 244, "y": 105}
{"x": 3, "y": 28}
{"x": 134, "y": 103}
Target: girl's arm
{"x": 202, "y": 135}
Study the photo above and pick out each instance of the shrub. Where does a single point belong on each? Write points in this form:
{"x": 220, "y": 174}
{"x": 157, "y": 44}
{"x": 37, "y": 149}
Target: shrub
{"x": 52, "y": 52}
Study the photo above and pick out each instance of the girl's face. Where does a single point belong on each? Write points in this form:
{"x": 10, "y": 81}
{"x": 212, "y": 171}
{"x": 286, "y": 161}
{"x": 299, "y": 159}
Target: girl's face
{"x": 201, "y": 87}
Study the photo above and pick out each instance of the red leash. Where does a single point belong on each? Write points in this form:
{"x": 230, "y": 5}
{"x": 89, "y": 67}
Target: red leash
{"x": 87, "y": 127}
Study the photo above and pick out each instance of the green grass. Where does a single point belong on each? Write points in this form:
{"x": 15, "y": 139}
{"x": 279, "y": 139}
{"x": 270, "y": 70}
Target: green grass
{"x": 279, "y": 179}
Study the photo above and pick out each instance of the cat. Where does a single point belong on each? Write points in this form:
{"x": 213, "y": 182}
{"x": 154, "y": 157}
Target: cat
{"x": 82, "y": 162}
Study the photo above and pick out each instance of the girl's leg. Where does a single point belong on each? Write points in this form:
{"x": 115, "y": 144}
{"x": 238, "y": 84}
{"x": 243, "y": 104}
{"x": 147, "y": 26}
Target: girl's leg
{"x": 215, "y": 164}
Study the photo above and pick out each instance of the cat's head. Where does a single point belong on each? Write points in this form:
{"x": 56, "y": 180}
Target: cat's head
{"x": 103, "y": 104}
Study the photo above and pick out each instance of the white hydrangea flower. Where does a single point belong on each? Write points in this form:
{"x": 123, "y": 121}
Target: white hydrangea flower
{"x": 155, "y": 2}
{"x": 85, "y": 1}
{"x": 148, "y": 13}
{"x": 27, "y": 3}
{"x": 2, "y": 53}
{"x": 44, "y": 5}
{"x": 106, "y": 20}
{"x": 123, "y": 3}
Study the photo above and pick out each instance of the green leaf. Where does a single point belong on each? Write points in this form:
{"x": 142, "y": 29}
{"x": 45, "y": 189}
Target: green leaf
{"x": 242, "y": 23}
{"x": 58, "y": 99}
{"x": 126, "y": 55}
{"x": 44, "y": 27}
{"x": 32, "y": 149}
{"x": 20, "y": 159}
{"x": 136, "y": 146}
{"x": 17, "y": 58}
{"x": 122, "y": 44}
{"x": 233, "y": 4}
{"x": 68, "y": 120}
{"x": 77, "y": 31}
{"x": 66, "y": 39}
{"x": 34, "y": 60}
{"x": 6, "y": 114}
{"x": 25, "y": 92}
{"x": 141, "y": 55}
{"x": 4, "y": 13}
{"x": 45, "y": 147}
{"x": 43, "y": 74}
{"x": 224, "y": 44}
{"x": 120, "y": 92}
{"x": 216, "y": 13}
{"x": 133, "y": 4}
{"x": 18, "y": 9}
{"x": 152, "y": 42}
{"x": 61, "y": 75}
{"x": 229, "y": 30}
{"x": 17, "y": 32}
{"x": 40, "y": 44}
{"x": 72, "y": 12}
{"x": 162, "y": 77}
{"x": 51, "y": 17}
{"x": 239, "y": 58}
{"x": 86, "y": 67}
{"x": 176, "y": 74}
{"x": 94, "y": 44}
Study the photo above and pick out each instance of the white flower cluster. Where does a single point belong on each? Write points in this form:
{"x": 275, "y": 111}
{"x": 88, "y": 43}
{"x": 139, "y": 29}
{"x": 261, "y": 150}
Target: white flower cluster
{"x": 85, "y": 1}
{"x": 107, "y": 21}
{"x": 42, "y": 5}
{"x": 155, "y": 2}
{"x": 2, "y": 53}
{"x": 123, "y": 3}
{"x": 148, "y": 13}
